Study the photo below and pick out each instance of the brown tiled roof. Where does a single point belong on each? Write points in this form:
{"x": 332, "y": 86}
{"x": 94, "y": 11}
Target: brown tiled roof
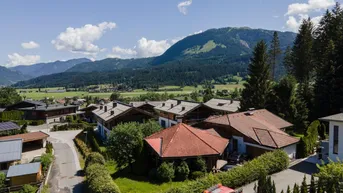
{"x": 262, "y": 126}
{"x": 27, "y": 137}
{"x": 182, "y": 140}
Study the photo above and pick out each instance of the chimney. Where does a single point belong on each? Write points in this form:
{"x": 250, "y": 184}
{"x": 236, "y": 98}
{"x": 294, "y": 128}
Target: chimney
{"x": 171, "y": 105}
{"x": 251, "y": 111}
{"x": 101, "y": 107}
{"x": 114, "y": 104}
{"x": 105, "y": 108}
{"x": 112, "y": 112}
{"x": 163, "y": 104}
{"x": 183, "y": 108}
{"x": 178, "y": 102}
{"x": 231, "y": 101}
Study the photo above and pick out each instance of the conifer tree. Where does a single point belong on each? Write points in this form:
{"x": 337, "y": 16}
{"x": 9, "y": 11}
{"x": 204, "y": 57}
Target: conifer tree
{"x": 296, "y": 188}
{"x": 303, "y": 188}
{"x": 258, "y": 87}
{"x": 274, "y": 54}
{"x": 288, "y": 189}
{"x": 312, "y": 185}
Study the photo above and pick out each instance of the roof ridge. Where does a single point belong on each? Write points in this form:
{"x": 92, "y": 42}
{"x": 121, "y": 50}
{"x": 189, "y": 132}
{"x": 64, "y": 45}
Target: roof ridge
{"x": 200, "y": 138}
{"x": 165, "y": 149}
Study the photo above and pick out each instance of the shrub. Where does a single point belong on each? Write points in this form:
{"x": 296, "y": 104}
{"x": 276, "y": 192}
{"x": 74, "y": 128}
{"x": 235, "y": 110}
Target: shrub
{"x": 46, "y": 160}
{"x": 165, "y": 172}
{"x": 302, "y": 148}
{"x": 48, "y": 147}
{"x": 93, "y": 158}
{"x": 99, "y": 180}
{"x": 28, "y": 189}
{"x": 199, "y": 165}
{"x": 84, "y": 150}
{"x": 182, "y": 171}
{"x": 269, "y": 163}
{"x": 153, "y": 174}
{"x": 2, "y": 180}
{"x": 11, "y": 115}
{"x": 197, "y": 174}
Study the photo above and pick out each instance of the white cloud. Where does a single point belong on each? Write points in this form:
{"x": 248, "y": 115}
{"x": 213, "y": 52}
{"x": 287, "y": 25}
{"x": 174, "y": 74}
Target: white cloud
{"x": 294, "y": 23}
{"x": 118, "y": 52}
{"x": 30, "y": 45}
{"x": 312, "y": 5}
{"x": 81, "y": 40}
{"x": 182, "y": 6}
{"x": 316, "y": 20}
{"x": 16, "y": 59}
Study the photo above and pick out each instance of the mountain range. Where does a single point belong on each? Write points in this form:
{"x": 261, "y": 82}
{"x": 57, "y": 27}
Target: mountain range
{"x": 192, "y": 59}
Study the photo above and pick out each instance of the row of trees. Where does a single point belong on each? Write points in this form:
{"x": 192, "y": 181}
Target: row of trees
{"x": 312, "y": 87}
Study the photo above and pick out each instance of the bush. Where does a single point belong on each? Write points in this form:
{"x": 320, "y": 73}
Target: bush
{"x": 84, "y": 150}
{"x": 28, "y": 189}
{"x": 2, "y": 180}
{"x": 199, "y": 165}
{"x": 93, "y": 158}
{"x": 268, "y": 163}
{"x": 99, "y": 180}
{"x": 69, "y": 127}
{"x": 197, "y": 174}
{"x": 182, "y": 171}
{"x": 11, "y": 115}
{"x": 165, "y": 173}
{"x": 302, "y": 149}
{"x": 46, "y": 160}
{"x": 48, "y": 147}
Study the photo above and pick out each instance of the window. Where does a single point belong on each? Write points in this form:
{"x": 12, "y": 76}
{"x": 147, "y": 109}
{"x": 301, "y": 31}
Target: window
{"x": 163, "y": 123}
{"x": 335, "y": 139}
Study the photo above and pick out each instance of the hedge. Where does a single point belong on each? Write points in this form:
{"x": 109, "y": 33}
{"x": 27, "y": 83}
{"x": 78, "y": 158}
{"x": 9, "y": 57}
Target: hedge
{"x": 269, "y": 163}
{"x": 99, "y": 180}
{"x": 308, "y": 143}
{"x": 94, "y": 158}
{"x": 70, "y": 126}
{"x": 84, "y": 150}
{"x": 11, "y": 115}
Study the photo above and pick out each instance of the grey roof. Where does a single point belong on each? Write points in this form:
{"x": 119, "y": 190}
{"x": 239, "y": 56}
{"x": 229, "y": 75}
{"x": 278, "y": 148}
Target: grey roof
{"x": 48, "y": 108}
{"x": 5, "y": 126}
{"x": 141, "y": 103}
{"x": 230, "y": 106}
{"x": 2, "y": 110}
{"x": 10, "y": 150}
{"x": 116, "y": 107}
{"x": 23, "y": 169}
{"x": 178, "y": 107}
{"x": 39, "y": 103}
{"x": 337, "y": 117}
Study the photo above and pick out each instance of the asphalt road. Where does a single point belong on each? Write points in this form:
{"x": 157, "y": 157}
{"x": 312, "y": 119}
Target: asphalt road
{"x": 65, "y": 174}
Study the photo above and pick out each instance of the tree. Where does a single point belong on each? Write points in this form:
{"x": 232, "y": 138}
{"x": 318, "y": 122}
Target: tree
{"x": 182, "y": 171}
{"x": 148, "y": 128}
{"x": 287, "y": 60}
{"x": 125, "y": 142}
{"x": 194, "y": 96}
{"x": 257, "y": 88}
{"x": 312, "y": 185}
{"x": 28, "y": 189}
{"x": 115, "y": 96}
{"x": 2, "y": 180}
{"x": 235, "y": 94}
{"x": 287, "y": 104}
{"x": 288, "y": 189}
{"x": 265, "y": 184}
{"x": 165, "y": 172}
{"x": 208, "y": 93}
{"x": 274, "y": 53}
{"x": 9, "y": 96}
{"x": 303, "y": 188}
{"x": 296, "y": 188}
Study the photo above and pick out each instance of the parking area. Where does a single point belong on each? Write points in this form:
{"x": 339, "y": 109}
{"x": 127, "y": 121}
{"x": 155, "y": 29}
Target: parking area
{"x": 27, "y": 157}
{"x": 294, "y": 174}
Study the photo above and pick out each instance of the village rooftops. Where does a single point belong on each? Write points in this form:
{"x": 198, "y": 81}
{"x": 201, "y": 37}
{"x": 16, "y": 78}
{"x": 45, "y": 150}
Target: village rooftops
{"x": 111, "y": 110}
{"x": 177, "y": 107}
{"x": 10, "y": 150}
{"x": 261, "y": 126}
{"x": 224, "y": 105}
{"x": 337, "y": 117}
{"x": 7, "y": 126}
{"x": 27, "y": 137}
{"x": 182, "y": 140}
{"x": 48, "y": 107}
{"x": 138, "y": 104}
{"x": 23, "y": 169}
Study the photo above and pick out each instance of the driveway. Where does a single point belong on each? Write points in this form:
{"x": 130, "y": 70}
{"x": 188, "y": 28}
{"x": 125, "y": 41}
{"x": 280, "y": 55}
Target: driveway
{"x": 294, "y": 174}
{"x": 65, "y": 174}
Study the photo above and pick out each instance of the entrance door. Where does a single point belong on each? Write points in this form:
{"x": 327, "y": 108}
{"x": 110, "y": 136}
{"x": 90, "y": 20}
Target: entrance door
{"x": 234, "y": 145}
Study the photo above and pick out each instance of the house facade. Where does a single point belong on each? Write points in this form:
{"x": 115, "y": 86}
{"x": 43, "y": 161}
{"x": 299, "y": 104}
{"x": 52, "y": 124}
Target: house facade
{"x": 111, "y": 114}
{"x": 24, "y": 173}
{"x": 10, "y": 151}
{"x": 335, "y": 136}
{"x": 253, "y": 132}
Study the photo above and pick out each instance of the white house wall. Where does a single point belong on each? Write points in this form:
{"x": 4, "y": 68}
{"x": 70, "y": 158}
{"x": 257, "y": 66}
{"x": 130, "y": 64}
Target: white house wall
{"x": 291, "y": 150}
{"x": 340, "y": 141}
{"x": 168, "y": 122}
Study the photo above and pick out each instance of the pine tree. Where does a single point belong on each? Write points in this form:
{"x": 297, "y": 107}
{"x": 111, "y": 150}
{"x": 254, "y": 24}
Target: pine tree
{"x": 312, "y": 185}
{"x": 296, "y": 188}
{"x": 274, "y": 54}
{"x": 288, "y": 61}
{"x": 288, "y": 189}
{"x": 303, "y": 188}
{"x": 258, "y": 87}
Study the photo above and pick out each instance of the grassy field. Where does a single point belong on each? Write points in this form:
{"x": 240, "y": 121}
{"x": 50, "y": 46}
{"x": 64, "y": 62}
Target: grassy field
{"x": 185, "y": 90}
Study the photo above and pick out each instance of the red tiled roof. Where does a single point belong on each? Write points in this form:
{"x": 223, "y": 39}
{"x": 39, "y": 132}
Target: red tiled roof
{"x": 262, "y": 126}
{"x": 182, "y": 140}
{"x": 27, "y": 137}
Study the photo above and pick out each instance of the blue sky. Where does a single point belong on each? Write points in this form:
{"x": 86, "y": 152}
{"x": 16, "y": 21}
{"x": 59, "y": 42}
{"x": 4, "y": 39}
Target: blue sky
{"x": 43, "y": 31}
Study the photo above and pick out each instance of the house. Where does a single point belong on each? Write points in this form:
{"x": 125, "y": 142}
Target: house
{"x": 111, "y": 114}
{"x": 24, "y": 104}
{"x": 33, "y": 139}
{"x": 223, "y": 105}
{"x": 50, "y": 113}
{"x": 173, "y": 111}
{"x": 147, "y": 106}
{"x": 335, "y": 136}
{"x": 24, "y": 173}
{"x": 219, "y": 188}
{"x": 89, "y": 112}
{"x": 253, "y": 132}
{"x": 10, "y": 152}
{"x": 182, "y": 141}
{"x": 8, "y": 127}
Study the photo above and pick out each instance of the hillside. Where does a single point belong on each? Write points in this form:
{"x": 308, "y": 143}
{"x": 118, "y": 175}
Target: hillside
{"x": 111, "y": 64}
{"x": 9, "y": 76}
{"x": 41, "y": 69}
